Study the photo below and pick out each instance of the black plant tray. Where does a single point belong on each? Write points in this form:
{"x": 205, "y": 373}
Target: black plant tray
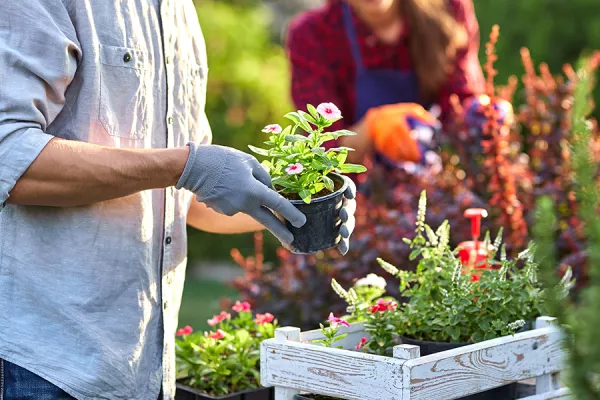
{"x": 185, "y": 392}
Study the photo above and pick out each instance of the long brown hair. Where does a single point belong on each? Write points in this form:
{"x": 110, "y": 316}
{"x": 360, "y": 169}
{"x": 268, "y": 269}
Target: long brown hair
{"x": 435, "y": 38}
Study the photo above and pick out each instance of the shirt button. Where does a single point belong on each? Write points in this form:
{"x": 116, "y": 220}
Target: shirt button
{"x": 170, "y": 120}
{"x": 165, "y": 305}
{"x": 127, "y": 57}
{"x": 168, "y": 240}
{"x": 168, "y": 60}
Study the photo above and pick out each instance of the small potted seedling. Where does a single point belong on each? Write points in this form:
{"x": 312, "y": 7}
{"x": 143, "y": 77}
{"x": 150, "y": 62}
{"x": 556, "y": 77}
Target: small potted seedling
{"x": 308, "y": 174}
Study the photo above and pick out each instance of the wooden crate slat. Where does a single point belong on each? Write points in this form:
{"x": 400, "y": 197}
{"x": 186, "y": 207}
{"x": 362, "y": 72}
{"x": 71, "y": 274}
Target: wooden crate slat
{"x": 482, "y": 366}
{"x": 333, "y": 372}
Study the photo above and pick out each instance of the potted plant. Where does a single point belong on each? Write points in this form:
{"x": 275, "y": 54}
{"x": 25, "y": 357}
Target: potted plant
{"x": 309, "y": 175}
{"x": 448, "y": 307}
{"x": 224, "y": 363}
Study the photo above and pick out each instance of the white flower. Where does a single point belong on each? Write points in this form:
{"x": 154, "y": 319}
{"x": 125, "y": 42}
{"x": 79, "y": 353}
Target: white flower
{"x": 372, "y": 280}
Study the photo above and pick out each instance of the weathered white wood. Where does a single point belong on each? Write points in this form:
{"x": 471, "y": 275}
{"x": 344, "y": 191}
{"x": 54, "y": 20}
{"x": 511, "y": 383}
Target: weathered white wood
{"x": 284, "y": 335}
{"x": 299, "y": 366}
{"x": 407, "y": 351}
{"x": 560, "y": 394}
{"x": 340, "y": 373}
{"x": 355, "y": 333}
{"x": 547, "y": 382}
{"x": 486, "y": 365}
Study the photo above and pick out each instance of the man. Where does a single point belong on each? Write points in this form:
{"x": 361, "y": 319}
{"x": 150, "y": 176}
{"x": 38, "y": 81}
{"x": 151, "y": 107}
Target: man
{"x": 98, "y": 100}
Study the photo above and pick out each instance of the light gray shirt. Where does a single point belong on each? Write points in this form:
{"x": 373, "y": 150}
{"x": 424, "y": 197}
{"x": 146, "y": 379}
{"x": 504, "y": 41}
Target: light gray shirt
{"x": 89, "y": 296}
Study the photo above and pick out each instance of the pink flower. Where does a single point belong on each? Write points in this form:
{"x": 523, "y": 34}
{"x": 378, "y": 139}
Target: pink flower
{"x": 184, "y": 331}
{"x": 329, "y": 111}
{"x": 335, "y": 320}
{"x": 294, "y": 169}
{"x": 215, "y": 320}
{"x": 273, "y": 128}
{"x": 264, "y": 318}
{"x": 241, "y": 307}
{"x": 219, "y": 334}
{"x": 382, "y": 306}
{"x": 360, "y": 344}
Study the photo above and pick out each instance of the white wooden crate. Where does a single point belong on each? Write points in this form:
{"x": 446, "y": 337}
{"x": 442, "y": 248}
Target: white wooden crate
{"x": 293, "y": 365}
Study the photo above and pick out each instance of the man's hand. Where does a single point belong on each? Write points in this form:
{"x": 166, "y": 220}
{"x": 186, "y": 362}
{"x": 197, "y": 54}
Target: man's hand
{"x": 347, "y": 217}
{"x": 230, "y": 181}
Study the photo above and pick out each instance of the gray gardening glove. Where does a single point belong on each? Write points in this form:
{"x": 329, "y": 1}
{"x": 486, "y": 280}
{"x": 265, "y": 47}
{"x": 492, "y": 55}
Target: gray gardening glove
{"x": 347, "y": 216}
{"x": 230, "y": 181}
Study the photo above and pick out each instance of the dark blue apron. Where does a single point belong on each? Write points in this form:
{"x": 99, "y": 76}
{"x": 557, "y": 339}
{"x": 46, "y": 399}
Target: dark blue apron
{"x": 378, "y": 87}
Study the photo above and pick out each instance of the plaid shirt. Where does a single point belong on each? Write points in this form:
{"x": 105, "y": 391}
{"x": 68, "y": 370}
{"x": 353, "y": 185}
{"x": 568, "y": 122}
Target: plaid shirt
{"x": 323, "y": 69}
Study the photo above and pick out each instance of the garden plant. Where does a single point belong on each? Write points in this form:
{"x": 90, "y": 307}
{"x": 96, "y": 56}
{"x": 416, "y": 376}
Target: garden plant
{"x": 308, "y": 174}
{"x": 518, "y": 162}
{"x": 225, "y": 360}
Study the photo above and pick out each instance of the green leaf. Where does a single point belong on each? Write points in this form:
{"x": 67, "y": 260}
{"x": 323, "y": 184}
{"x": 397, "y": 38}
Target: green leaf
{"x": 258, "y": 150}
{"x": 352, "y": 168}
{"x": 307, "y": 117}
{"x": 344, "y": 132}
{"x": 341, "y": 156}
{"x": 317, "y": 187}
{"x": 329, "y": 183}
{"x": 313, "y": 111}
{"x": 305, "y": 196}
{"x": 295, "y": 138}
{"x": 294, "y": 117}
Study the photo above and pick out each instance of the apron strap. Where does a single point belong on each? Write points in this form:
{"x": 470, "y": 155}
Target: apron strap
{"x": 352, "y": 38}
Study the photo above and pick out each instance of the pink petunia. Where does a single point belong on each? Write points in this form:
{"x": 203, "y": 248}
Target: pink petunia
{"x": 262, "y": 319}
{"x": 241, "y": 307}
{"x": 219, "y": 334}
{"x": 335, "y": 320}
{"x": 273, "y": 128}
{"x": 360, "y": 344}
{"x": 294, "y": 169}
{"x": 329, "y": 111}
{"x": 184, "y": 331}
{"x": 217, "y": 319}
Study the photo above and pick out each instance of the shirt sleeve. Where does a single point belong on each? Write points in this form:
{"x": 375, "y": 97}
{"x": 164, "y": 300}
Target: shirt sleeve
{"x": 467, "y": 78}
{"x": 38, "y": 60}
{"x": 313, "y": 81}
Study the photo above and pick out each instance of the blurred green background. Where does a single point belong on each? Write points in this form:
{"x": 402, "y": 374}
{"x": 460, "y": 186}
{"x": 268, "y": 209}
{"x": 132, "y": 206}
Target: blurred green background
{"x": 248, "y": 87}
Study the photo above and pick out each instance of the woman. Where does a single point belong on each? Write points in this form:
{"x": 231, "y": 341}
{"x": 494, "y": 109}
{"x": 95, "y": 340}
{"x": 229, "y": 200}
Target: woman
{"x": 380, "y": 61}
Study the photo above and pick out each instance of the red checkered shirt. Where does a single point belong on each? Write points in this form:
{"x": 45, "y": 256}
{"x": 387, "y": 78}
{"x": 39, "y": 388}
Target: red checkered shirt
{"x": 323, "y": 68}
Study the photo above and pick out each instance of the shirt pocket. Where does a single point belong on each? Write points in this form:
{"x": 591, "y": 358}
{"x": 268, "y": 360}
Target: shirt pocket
{"x": 124, "y": 92}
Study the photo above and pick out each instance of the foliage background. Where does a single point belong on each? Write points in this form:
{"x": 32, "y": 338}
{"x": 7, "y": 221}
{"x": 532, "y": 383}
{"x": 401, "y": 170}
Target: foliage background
{"x": 248, "y": 84}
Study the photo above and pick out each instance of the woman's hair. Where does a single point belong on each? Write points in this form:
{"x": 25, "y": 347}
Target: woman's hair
{"x": 435, "y": 38}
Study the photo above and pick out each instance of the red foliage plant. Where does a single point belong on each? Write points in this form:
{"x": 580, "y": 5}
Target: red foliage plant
{"x": 501, "y": 165}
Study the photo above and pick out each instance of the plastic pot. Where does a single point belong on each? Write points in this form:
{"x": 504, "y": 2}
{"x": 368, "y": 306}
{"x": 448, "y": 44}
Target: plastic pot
{"x": 185, "y": 392}
{"x": 500, "y": 393}
{"x": 322, "y": 226}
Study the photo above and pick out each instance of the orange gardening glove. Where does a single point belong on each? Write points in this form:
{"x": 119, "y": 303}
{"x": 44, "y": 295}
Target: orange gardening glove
{"x": 389, "y": 129}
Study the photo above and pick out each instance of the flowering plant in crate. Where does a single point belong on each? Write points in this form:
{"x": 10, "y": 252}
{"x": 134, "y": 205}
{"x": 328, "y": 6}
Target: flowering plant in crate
{"x": 446, "y": 303}
{"x": 226, "y": 359}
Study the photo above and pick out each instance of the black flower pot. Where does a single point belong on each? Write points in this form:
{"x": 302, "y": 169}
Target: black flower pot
{"x": 322, "y": 226}
{"x": 506, "y": 392}
{"x": 185, "y": 392}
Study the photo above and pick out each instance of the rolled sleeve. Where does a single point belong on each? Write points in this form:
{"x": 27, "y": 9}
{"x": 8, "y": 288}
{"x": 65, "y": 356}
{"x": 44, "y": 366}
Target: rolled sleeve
{"x": 38, "y": 59}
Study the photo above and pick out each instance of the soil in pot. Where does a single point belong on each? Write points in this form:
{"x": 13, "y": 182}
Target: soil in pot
{"x": 322, "y": 227}
{"x": 185, "y": 392}
{"x": 506, "y": 392}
